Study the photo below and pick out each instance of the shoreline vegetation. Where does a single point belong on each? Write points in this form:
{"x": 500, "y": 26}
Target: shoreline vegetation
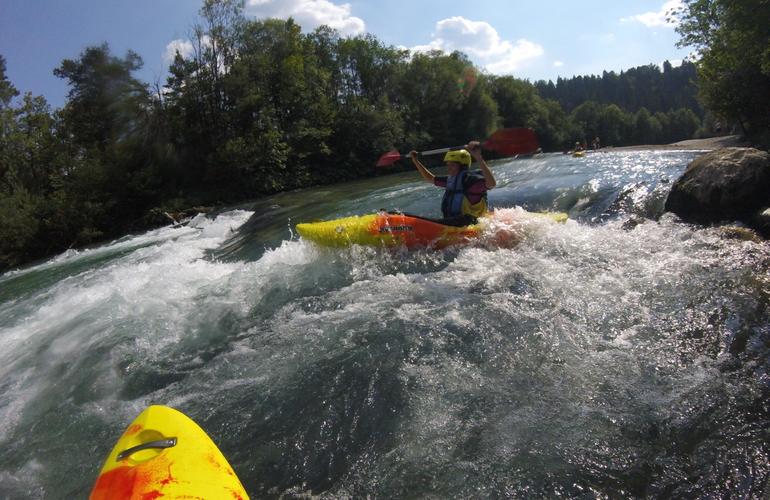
{"x": 182, "y": 217}
{"x": 261, "y": 107}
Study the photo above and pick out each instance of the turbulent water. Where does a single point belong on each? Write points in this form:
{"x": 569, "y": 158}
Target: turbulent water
{"x": 622, "y": 354}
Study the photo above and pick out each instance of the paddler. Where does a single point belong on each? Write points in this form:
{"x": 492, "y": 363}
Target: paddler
{"x": 465, "y": 191}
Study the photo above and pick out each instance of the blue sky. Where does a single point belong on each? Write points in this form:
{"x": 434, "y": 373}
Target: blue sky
{"x": 533, "y": 39}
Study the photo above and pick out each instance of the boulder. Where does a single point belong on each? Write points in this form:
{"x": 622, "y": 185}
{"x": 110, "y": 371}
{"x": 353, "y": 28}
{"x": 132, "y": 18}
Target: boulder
{"x": 724, "y": 185}
{"x": 761, "y": 222}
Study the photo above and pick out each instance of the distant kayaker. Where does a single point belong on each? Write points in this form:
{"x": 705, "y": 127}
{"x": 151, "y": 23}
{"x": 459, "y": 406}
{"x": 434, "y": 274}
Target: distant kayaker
{"x": 465, "y": 195}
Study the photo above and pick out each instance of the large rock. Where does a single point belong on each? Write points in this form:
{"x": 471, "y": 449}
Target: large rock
{"x": 724, "y": 185}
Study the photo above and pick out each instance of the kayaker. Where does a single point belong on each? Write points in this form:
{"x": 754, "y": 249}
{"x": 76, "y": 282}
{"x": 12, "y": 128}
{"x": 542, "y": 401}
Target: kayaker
{"x": 465, "y": 195}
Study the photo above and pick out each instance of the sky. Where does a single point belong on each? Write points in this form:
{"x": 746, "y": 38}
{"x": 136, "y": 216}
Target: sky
{"x": 533, "y": 39}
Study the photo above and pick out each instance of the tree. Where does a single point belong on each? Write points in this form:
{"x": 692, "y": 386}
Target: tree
{"x": 733, "y": 43}
{"x": 647, "y": 128}
{"x": 7, "y": 90}
{"x": 104, "y": 100}
{"x": 643, "y": 86}
{"x": 684, "y": 123}
{"x": 614, "y": 126}
{"x": 436, "y": 97}
{"x": 516, "y": 100}
{"x": 7, "y": 125}
{"x": 553, "y": 126}
{"x": 588, "y": 116}
{"x": 105, "y": 122}
{"x": 28, "y": 150}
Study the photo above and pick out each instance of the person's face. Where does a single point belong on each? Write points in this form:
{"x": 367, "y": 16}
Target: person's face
{"x": 453, "y": 167}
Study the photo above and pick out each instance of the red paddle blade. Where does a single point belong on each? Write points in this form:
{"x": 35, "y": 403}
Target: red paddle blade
{"x": 389, "y": 158}
{"x": 512, "y": 141}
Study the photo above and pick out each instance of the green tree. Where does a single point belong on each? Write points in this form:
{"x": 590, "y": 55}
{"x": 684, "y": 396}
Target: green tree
{"x": 105, "y": 123}
{"x": 365, "y": 78}
{"x": 551, "y": 124}
{"x": 614, "y": 126}
{"x": 104, "y": 100}
{"x": 684, "y": 124}
{"x": 516, "y": 100}
{"x": 7, "y": 126}
{"x": 588, "y": 117}
{"x": 647, "y": 128}
{"x": 435, "y": 92}
{"x": 28, "y": 154}
{"x": 287, "y": 97}
{"x": 7, "y": 90}
{"x": 733, "y": 43}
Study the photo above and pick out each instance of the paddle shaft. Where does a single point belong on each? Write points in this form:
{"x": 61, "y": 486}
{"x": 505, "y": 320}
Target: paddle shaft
{"x": 508, "y": 142}
{"x": 436, "y": 151}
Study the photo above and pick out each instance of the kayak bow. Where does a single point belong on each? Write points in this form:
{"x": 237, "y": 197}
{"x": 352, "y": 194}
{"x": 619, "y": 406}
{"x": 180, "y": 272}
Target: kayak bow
{"x": 163, "y": 453}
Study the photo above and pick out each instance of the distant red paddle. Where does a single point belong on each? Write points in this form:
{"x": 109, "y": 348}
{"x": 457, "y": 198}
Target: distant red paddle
{"x": 505, "y": 142}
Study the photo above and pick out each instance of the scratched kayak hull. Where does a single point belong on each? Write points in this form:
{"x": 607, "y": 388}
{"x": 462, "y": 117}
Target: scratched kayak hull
{"x": 181, "y": 461}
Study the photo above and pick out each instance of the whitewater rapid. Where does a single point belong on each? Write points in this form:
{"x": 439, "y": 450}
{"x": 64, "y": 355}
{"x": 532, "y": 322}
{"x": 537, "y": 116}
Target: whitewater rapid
{"x": 593, "y": 358}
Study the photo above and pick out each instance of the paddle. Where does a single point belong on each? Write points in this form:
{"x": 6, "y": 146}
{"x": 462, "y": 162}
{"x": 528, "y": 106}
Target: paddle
{"x": 505, "y": 142}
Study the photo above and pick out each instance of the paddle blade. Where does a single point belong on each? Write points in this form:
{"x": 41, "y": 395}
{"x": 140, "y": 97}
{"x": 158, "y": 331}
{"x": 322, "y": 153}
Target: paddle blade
{"x": 389, "y": 158}
{"x": 512, "y": 141}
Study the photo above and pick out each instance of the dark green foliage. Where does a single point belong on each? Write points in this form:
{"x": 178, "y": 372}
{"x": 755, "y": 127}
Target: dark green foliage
{"x": 7, "y": 90}
{"x": 260, "y": 107}
{"x": 733, "y": 41}
{"x": 641, "y": 87}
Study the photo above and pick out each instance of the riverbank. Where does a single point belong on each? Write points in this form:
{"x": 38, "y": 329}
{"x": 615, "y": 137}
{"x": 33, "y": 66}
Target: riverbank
{"x": 707, "y": 144}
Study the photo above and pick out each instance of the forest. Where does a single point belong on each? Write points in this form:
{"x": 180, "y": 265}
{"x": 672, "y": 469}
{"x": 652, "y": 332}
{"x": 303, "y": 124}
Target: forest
{"x": 261, "y": 107}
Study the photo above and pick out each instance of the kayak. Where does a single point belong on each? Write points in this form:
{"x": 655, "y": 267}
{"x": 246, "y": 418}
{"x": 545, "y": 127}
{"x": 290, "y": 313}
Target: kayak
{"x": 579, "y": 154}
{"x": 163, "y": 453}
{"x": 386, "y": 229}
{"x": 389, "y": 229}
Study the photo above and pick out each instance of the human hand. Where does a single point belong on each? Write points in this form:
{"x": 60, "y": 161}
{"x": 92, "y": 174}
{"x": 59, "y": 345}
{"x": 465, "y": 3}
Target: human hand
{"x": 474, "y": 148}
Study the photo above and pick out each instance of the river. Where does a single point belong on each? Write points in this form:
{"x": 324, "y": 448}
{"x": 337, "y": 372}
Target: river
{"x": 620, "y": 354}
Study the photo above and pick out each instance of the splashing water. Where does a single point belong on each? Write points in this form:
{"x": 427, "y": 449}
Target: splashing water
{"x": 585, "y": 360}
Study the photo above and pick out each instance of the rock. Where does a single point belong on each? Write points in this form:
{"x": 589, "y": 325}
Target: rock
{"x": 739, "y": 233}
{"x": 761, "y": 222}
{"x": 724, "y": 185}
{"x": 632, "y": 222}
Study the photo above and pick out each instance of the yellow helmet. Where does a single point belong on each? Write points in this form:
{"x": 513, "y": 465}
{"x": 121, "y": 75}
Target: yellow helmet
{"x": 460, "y": 156}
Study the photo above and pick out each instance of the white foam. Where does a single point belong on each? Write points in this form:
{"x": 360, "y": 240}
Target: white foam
{"x": 147, "y": 294}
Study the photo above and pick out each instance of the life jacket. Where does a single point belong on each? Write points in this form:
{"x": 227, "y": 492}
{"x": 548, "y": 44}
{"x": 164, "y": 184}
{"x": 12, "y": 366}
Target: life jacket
{"x": 456, "y": 202}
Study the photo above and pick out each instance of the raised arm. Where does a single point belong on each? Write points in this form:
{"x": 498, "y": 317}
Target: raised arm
{"x": 424, "y": 172}
{"x": 475, "y": 150}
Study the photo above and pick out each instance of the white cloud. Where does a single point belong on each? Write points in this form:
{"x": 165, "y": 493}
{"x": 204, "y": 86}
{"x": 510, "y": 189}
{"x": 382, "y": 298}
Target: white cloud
{"x": 481, "y": 41}
{"x": 558, "y": 64}
{"x": 657, "y": 19}
{"x": 309, "y": 14}
{"x": 184, "y": 47}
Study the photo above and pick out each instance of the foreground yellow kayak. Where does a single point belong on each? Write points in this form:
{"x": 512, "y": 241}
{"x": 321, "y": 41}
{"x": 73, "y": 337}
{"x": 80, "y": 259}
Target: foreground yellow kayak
{"x": 164, "y": 454}
{"x": 387, "y": 229}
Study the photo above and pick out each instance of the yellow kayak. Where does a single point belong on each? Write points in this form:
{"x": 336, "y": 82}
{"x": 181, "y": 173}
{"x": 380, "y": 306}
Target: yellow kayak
{"x": 386, "y": 229}
{"x": 164, "y": 454}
